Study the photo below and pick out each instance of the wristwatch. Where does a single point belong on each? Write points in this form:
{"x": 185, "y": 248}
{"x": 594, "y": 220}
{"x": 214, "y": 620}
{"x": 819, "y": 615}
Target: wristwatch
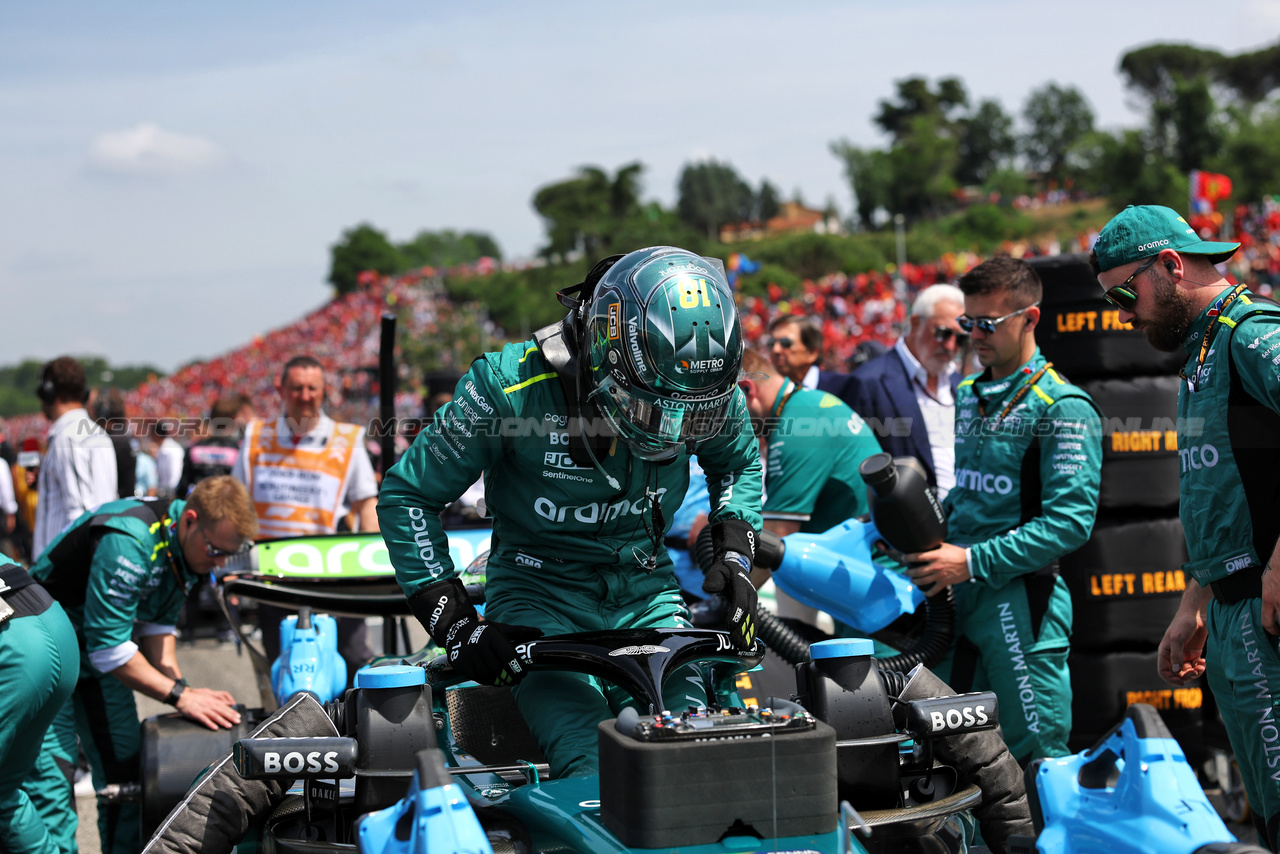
{"x": 174, "y": 693}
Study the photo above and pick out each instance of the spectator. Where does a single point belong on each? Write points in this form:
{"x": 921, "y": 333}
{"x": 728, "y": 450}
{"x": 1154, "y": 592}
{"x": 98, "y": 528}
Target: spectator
{"x": 79, "y": 471}
{"x": 108, "y": 411}
{"x": 146, "y": 476}
{"x": 169, "y": 457}
{"x": 216, "y": 452}
{"x": 908, "y": 394}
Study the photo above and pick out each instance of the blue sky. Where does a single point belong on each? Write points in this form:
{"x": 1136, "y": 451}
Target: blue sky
{"x": 173, "y": 173}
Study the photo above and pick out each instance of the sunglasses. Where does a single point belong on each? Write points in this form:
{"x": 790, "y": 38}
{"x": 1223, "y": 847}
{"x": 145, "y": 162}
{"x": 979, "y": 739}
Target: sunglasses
{"x": 784, "y": 343}
{"x": 944, "y": 334}
{"x": 989, "y": 324}
{"x": 1122, "y": 296}
{"x": 214, "y": 552}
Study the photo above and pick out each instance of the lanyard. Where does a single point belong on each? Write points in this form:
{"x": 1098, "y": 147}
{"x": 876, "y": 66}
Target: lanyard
{"x": 777, "y": 410}
{"x": 1217, "y": 312}
{"x": 1022, "y": 392}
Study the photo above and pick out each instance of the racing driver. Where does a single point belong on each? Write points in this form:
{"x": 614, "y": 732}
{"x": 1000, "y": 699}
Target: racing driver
{"x": 583, "y": 435}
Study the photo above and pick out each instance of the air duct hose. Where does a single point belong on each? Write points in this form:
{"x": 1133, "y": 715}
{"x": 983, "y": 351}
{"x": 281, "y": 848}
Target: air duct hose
{"x": 928, "y": 649}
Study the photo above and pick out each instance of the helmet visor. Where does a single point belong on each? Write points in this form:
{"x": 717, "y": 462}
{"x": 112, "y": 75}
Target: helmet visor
{"x": 652, "y": 423}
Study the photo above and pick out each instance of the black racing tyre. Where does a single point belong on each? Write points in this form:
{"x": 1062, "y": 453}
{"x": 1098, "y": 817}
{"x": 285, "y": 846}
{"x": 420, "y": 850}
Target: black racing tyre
{"x": 1081, "y": 333}
{"x": 1103, "y": 686}
{"x": 1125, "y": 584}
{"x": 1139, "y": 442}
{"x": 175, "y": 751}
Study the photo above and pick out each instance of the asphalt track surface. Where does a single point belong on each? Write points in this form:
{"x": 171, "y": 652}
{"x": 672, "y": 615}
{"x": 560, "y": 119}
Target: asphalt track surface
{"x": 209, "y": 664}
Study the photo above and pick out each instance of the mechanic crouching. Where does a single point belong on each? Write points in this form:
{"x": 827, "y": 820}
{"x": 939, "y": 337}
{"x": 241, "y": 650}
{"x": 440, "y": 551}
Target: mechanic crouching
{"x": 584, "y": 435}
{"x": 121, "y": 571}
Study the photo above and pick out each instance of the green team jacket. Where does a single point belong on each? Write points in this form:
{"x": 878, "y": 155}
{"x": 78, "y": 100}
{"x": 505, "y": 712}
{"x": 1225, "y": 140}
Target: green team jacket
{"x": 1013, "y": 528}
{"x": 135, "y": 574}
{"x": 1230, "y": 466}
{"x": 814, "y": 448}
{"x": 508, "y": 419}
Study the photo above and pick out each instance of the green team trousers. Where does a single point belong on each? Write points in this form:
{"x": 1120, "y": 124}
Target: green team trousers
{"x": 102, "y": 712}
{"x": 1014, "y": 640}
{"x": 563, "y": 709}
{"x": 39, "y": 662}
{"x": 1242, "y": 663}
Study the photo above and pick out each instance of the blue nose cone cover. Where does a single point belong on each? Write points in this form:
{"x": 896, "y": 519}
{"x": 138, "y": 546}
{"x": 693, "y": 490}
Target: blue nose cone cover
{"x": 392, "y": 676}
{"x": 841, "y": 648}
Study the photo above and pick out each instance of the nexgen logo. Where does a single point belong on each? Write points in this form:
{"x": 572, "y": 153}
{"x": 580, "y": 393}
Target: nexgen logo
{"x": 981, "y": 482}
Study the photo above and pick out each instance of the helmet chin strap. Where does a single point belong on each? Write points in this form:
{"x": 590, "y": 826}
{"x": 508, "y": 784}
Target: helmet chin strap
{"x": 613, "y": 483}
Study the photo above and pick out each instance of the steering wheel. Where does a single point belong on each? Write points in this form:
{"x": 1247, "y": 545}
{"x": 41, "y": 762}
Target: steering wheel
{"x": 636, "y": 660}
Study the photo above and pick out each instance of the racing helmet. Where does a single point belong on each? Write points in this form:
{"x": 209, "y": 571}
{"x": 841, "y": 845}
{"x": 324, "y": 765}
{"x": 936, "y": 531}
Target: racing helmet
{"x": 662, "y": 345}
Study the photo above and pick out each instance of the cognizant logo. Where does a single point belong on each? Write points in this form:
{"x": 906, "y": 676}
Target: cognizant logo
{"x": 992, "y": 484}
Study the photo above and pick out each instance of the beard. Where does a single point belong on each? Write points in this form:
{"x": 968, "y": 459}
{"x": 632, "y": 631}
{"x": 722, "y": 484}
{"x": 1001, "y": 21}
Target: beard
{"x": 1167, "y": 327}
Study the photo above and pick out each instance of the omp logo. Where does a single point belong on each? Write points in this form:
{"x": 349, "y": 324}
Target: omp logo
{"x": 1152, "y": 245}
{"x": 523, "y": 559}
{"x": 701, "y": 365}
{"x": 643, "y": 649}
{"x": 615, "y": 326}
{"x": 1198, "y": 457}
{"x": 1234, "y": 564}
{"x": 982, "y": 482}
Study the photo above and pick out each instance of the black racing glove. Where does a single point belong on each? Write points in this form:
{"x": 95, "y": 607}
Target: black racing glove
{"x": 482, "y": 650}
{"x": 729, "y": 577}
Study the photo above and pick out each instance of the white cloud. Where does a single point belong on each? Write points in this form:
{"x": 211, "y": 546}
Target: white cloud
{"x": 149, "y": 150}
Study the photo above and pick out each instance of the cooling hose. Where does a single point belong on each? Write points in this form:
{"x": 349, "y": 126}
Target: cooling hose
{"x": 928, "y": 649}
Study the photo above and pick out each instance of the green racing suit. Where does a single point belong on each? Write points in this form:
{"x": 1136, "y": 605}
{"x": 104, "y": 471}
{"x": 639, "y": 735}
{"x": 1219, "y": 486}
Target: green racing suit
{"x": 1230, "y": 507}
{"x": 568, "y": 548}
{"x": 1026, "y": 494}
{"x": 813, "y": 449}
{"x": 114, "y": 572}
{"x": 39, "y": 662}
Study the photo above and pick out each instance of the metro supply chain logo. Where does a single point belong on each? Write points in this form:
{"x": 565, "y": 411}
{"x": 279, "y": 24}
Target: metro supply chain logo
{"x": 700, "y": 366}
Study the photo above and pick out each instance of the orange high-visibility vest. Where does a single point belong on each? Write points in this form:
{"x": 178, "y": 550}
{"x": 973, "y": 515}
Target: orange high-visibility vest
{"x": 297, "y": 491}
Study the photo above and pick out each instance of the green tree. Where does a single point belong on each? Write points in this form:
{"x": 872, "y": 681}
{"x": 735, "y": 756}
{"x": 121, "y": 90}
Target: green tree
{"x": 923, "y": 164}
{"x": 768, "y": 202}
{"x": 582, "y": 212}
{"x": 1057, "y": 118}
{"x": 447, "y": 248}
{"x": 987, "y": 142}
{"x": 870, "y": 176}
{"x": 361, "y": 248}
{"x": 915, "y": 99}
{"x": 1251, "y": 155}
{"x": 713, "y": 194}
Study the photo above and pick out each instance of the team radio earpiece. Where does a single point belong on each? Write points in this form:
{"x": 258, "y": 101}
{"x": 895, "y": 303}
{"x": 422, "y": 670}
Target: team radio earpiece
{"x": 46, "y": 390}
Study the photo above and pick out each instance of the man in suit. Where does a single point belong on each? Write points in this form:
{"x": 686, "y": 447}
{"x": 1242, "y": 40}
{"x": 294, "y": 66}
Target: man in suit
{"x": 795, "y": 348}
{"x": 908, "y": 394}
